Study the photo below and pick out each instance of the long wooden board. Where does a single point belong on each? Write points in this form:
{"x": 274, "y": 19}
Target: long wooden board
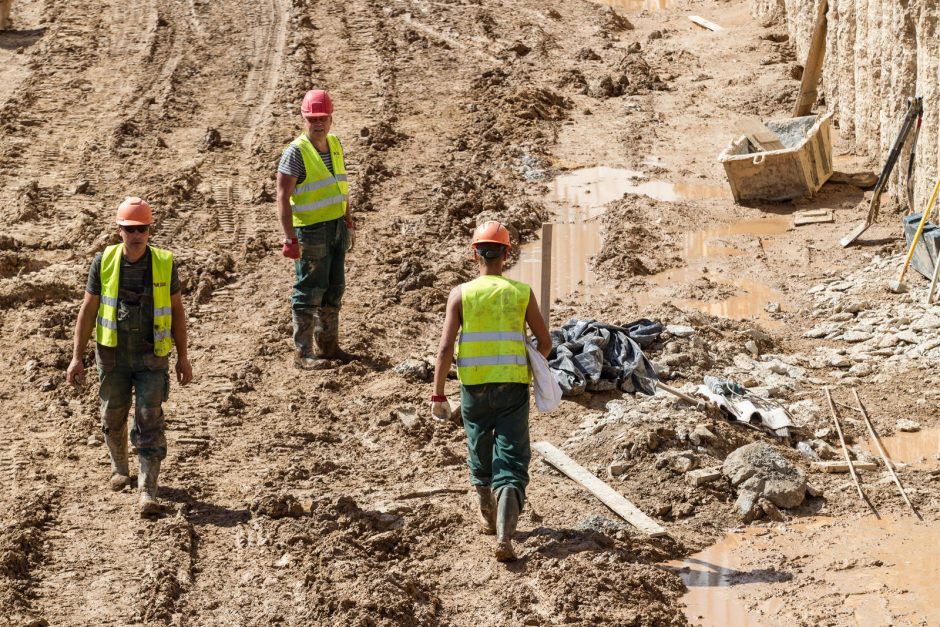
{"x": 701, "y": 21}
{"x": 813, "y": 216}
{"x": 607, "y": 495}
{"x": 842, "y": 466}
{"x": 812, "y": 69}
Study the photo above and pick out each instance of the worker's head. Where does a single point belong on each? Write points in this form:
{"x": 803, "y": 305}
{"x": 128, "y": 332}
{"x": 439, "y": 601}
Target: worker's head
{"x": 134, "y": 219}
{"x": 490, "y": 244}
{"x": 317, "y": 110}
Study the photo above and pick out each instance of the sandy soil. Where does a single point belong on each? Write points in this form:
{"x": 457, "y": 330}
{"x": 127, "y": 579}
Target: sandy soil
{"x": 319, "y": 498}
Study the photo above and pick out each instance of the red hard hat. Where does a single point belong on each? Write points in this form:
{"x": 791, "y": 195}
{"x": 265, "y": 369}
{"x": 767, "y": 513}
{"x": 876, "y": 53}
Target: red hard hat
{"x": 134, "y": 211}
{"x": 491, "y": 232}
{"x": 316, "y": 104}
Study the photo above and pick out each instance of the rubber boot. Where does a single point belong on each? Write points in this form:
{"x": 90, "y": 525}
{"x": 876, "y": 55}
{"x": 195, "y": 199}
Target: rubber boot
{"x": 507, "y": 515}
{"x": 147, "y": 482}
{"x": 486, "y": 509}
{"x": 304, "y": 322}
{"x": 327, "y": 335}
{"x": 117, "y": 447}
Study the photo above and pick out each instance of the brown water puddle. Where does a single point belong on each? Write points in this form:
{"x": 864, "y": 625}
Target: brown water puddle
{"x": 582, "y": 194}
{"x": 880, "y": 572}
{"x": 592, "y": 188}
{"x": 699, "y": 247}
{"x": 920, "y": 449}
{"x": 708, "y": 575}
{"x": 573, "y": 247}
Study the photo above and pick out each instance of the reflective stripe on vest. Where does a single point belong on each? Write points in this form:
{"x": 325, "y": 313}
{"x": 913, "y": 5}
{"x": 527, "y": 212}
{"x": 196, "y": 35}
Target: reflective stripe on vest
{"x": 162, "y": 272}
{"x": 492, "y": 343}
{"x": 321, "y": 196}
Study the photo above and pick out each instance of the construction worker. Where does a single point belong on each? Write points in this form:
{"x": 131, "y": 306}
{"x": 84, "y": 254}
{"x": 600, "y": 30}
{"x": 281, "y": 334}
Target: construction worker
{"x": 312, "y": 202}
{"x": 133, "y": 303}
{"x": 491, "y": 313}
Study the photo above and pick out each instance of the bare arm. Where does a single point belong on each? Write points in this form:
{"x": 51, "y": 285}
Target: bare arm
{"x": 285, "y": 187}
{"x": 445, "y": 351}
{"x": 184, "y": 371}
{"x": 533, "y": 318}
{"x": 83, "y": 328}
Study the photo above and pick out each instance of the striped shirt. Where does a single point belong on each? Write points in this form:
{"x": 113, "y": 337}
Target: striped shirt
{"x": 292, "y": 162}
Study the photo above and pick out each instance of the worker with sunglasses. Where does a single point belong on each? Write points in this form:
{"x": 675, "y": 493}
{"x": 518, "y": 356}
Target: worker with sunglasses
{"x": 134, "y": 305}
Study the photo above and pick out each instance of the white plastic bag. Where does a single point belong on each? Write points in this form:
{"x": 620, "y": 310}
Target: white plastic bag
{"x": 547, "y": 390}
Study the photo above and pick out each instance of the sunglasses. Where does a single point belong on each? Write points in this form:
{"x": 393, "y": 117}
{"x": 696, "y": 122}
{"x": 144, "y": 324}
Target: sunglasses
{"x": 140, "y": 228}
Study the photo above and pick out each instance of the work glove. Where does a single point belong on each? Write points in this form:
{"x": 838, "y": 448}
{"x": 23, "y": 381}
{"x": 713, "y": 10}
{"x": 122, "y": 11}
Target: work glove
{"x": 291, "y": 248}
{"x": 440, "y": 410}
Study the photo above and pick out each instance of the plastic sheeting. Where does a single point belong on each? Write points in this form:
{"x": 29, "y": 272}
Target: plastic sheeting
{"x": 593, "y": 356}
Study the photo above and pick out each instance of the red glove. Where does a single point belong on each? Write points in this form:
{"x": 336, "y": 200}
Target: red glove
{"x": 291, "y": 248}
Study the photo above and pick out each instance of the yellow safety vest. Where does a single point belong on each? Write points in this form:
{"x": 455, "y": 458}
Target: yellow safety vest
{"x": 492, "y": 339}
{"x": 106, "y": 323}
{"x": 321, "y": 196}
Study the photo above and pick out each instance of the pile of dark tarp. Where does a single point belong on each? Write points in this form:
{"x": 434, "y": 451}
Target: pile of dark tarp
{"x": 593, "y": 356}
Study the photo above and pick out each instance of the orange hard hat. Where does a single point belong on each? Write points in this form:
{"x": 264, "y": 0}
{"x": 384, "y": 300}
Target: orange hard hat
{"x": 316, "y": 104}
{"x": 134, "y": 211}
{"x": 491, "y": 232}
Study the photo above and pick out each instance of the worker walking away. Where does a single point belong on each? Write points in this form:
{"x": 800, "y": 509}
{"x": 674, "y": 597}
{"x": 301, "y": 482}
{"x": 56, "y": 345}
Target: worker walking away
{"x": 313, "y": 207}
{"x": 491, "y": 313}
{"x": 133, "y": 303}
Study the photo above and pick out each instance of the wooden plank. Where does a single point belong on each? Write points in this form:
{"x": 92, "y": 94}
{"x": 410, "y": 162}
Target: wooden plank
{"x": 607, "y": 495}
{"x": 701, "y": 21}
{"x": 812, "y": 217}
{"x": 545, "y": 294}
{"x": 812, "y": 69}
{"x": 759, "y": 134}
{"x": 842, "y": 466}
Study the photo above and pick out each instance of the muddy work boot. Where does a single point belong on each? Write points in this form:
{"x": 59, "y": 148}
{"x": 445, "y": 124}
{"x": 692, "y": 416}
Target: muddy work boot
{"x": 486, "y": 509}
{"x": 147, "y": 483}
{"x": 326, "y": 333}
{"x": 507, "y": 515}
{"x": 117, "y": 447}
{"x": 305, "y": 321}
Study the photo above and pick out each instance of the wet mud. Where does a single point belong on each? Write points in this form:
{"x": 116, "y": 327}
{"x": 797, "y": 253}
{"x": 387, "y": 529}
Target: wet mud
{"x": 332, "y": 497}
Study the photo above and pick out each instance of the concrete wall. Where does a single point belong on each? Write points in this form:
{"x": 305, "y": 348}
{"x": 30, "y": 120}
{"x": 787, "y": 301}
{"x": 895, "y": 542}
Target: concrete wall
{"x": 878, "y": 52}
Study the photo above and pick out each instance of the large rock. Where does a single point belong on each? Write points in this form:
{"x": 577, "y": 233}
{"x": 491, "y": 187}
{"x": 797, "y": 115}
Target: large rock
{"x": 758, "y": 469}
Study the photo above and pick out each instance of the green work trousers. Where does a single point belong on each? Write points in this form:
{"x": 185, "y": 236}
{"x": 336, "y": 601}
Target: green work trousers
{"x": 320, "y": 271}
{"x": 130, "y": 371}
{"x": 496, "y": 421}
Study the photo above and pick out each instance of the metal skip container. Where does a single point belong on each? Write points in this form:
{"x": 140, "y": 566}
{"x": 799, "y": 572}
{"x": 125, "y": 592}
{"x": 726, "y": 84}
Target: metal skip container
{"x": 797, "y": 170}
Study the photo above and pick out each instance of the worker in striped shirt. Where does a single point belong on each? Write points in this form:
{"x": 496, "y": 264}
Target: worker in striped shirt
{"x": 313, "y": 208}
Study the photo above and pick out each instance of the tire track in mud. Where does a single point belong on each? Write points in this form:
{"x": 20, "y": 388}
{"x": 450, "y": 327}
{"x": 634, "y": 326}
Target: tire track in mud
{"x": 95, "y": 554}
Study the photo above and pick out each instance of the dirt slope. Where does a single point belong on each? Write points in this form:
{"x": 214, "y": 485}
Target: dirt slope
{"x": 449, "y": 112}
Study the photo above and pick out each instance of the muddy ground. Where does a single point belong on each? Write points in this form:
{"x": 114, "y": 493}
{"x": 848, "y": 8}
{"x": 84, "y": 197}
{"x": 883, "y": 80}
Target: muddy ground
{"x": 323, "y": 498}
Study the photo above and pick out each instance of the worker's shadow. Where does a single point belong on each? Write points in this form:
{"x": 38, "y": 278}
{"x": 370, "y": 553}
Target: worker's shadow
{"x": 720, "y": 576}
{"x": 202, "y": 513}
{"x": 15, "y": 39}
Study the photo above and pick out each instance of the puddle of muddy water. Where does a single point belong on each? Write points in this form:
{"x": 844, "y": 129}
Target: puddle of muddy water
{"x": 708, "y": 575}
{"x": 582, "y": 194}
{"x": 573, "y": 247}
{"x": 880, "y": 570}
{"x": 589, "y": 189}
{"x": 920, "y": 449}
{"x": 750, "y": 298}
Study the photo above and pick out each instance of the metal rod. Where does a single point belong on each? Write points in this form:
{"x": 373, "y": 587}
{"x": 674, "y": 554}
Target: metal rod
{"x": 884, "y": 453}
{"x": 545, "y": 294}
{"x": 845, "y": 450}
